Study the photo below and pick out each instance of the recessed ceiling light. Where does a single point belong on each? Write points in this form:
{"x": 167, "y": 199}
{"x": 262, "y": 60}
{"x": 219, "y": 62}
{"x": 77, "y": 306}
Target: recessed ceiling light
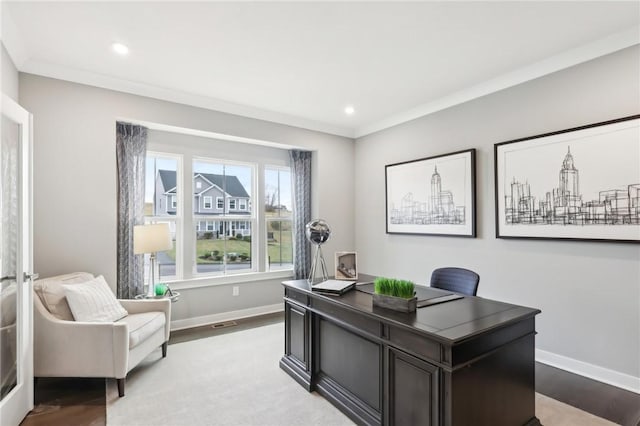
{"x": 349, "y": 110}
{"x": 120, "y": 48}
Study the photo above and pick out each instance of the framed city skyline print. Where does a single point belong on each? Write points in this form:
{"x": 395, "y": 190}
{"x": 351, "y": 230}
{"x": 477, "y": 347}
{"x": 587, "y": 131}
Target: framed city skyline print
{"x": 432, "y": 196}
{"x": 576, "y": 184}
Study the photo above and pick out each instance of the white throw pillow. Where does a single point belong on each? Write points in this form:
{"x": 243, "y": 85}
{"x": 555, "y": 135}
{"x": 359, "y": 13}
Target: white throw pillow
{"x": 93, "y": 301}
{"x": 52, "y": 296}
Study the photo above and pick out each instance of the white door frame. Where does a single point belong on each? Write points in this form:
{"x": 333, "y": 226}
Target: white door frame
{"x": 15, "y": 406}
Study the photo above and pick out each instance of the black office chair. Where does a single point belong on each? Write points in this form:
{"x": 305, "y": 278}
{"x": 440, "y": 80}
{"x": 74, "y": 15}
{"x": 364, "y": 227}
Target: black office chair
{"x": 458, "y": 280}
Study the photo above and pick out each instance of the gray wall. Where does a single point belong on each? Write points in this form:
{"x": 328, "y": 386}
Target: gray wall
{"x": 589, "y": 292}
{"x": 75, "y": 178}
{"x": 9, "y": 75}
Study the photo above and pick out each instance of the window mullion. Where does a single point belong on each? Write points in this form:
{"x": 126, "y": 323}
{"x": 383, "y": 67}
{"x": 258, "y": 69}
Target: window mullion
{"x": 260, "y": 241}
{"x": 185, "y": 182}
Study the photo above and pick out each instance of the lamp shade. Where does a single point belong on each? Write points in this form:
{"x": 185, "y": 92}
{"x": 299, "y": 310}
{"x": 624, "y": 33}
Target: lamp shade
{"x": 151, "y": 238}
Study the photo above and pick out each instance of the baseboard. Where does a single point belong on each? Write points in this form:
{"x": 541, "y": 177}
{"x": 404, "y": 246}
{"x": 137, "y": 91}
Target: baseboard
{"x": 601, "y": 374}
{"x": 225, "y": 316}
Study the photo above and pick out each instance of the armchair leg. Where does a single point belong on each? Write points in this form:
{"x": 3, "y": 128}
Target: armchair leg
{"x": 120, "y": 387}
{"x": 164, "y": 349}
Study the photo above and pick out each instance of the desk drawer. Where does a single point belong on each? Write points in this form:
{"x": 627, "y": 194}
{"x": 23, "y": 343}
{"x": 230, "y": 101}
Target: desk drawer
{"x": 413, "y": 342}
{"x": 297, "y": 296}
{"x": 356, "y": 320}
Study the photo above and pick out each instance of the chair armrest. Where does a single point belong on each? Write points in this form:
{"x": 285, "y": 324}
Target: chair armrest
{"x": 79, "y": 349}
{"x": 135, "y": 306}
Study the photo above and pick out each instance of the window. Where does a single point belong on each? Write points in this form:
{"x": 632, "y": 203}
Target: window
{"x": 278, "y": 215}
{"x": 161, "y": 189}
{"x": 228, "y": 250}
{"x": 236, "y": 222}
{"x": 207, "y": 202}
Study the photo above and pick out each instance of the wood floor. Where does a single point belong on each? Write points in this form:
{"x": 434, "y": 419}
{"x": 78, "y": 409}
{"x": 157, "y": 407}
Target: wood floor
{"x": 82, "y": 402}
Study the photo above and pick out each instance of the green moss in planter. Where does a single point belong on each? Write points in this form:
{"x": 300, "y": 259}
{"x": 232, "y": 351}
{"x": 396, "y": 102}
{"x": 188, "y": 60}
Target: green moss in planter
{"x": 393, "y": 287}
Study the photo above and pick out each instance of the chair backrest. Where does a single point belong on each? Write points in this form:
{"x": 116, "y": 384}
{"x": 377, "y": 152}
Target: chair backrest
{"x": 458, "y": 280}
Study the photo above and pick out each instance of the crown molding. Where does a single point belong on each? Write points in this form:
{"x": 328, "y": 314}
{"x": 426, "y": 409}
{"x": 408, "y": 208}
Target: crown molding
{"x": 610, "y": 44}
{"x": 566, "y": 59}
{"x": 142, "y": 89}
{"x": 11, "y": 39}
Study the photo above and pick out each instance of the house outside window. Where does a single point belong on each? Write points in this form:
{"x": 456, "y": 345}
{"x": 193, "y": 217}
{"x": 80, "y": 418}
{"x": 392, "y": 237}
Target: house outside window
{"x": 229, "y": 248}
{"x": 242, "y": 204}
{"x": 174, "y": 202}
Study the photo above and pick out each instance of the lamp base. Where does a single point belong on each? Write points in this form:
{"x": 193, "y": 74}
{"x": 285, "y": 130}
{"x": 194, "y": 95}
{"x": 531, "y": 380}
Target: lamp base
{"x": 152, "y": 278}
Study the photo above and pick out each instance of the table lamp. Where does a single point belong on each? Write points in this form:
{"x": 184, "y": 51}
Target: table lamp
{"x": 151, "y": 239}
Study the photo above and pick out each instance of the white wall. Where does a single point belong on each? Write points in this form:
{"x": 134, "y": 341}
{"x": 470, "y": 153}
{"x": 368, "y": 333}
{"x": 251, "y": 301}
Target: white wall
{"x": 589, "y": 292}
{"x": 75, "y": 180}
{"x": 9, "y": 74}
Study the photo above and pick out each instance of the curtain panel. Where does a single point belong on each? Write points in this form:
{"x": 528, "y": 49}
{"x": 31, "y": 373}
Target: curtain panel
{"x": 301, "y": 176}
{"x": 131, "y": 149}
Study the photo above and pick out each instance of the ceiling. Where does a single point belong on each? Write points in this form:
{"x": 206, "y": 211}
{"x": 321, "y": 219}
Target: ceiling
{"x": 302, "y": 63}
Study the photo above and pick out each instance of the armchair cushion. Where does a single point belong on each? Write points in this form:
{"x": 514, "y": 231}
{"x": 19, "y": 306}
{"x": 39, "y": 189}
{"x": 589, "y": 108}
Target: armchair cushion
{"x": 52, "y": 295}
{"x": 143, "y": 325}
{"x": 93, "y": 301}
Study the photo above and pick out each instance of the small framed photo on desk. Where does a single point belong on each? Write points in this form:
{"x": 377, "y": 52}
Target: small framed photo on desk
{"x": 346, "y": 266}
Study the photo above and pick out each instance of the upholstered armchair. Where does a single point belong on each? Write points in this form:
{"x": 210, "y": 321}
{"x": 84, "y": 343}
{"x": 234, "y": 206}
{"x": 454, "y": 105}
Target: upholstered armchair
{"x": 64, "y": 347}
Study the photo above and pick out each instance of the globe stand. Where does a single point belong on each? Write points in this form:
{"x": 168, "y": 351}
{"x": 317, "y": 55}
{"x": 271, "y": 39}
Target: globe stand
{"x": 317, "y": 232}
{"x": 318, "y": 258}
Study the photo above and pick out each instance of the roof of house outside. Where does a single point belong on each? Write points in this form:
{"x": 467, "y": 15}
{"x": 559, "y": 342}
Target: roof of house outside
{"x": 230, "y": 184}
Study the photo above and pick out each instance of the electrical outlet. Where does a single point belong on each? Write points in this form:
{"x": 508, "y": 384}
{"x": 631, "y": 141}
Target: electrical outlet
{"x": 236, "y": 290}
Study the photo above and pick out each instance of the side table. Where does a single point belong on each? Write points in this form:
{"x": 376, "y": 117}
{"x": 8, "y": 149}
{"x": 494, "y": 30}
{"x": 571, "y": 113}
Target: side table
{"x": 173, "y": 295}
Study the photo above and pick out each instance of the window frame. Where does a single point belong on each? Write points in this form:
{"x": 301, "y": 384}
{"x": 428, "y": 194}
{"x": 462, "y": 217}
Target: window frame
{"x": 229, "y": 151}
{"x": 176, "y": 218}
{"x": 278, "y": 218}
{"x": 226, "y": 219}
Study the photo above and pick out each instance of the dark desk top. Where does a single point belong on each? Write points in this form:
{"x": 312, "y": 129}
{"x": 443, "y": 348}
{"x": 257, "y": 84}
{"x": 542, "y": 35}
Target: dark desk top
{"x": 451, "y": 322}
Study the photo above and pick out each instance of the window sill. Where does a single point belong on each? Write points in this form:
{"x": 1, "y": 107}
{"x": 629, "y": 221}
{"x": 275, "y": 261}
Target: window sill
{"x": 229, "y": 279}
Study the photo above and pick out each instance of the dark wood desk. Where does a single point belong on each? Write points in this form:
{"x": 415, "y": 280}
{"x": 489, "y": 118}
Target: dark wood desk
{"x": 466, "y": 362}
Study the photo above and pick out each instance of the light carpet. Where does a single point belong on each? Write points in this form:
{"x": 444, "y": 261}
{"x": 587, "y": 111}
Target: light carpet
{"x": 234, "y": 379}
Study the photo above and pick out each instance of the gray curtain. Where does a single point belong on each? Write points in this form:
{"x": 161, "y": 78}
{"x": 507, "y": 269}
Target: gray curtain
{"x": 131, "y": 149}
{"x": 301, "y": 176}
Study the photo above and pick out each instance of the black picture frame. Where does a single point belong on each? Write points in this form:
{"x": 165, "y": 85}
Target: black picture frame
{"x": 432, "y": 196}
{"x": 578, "y": 184}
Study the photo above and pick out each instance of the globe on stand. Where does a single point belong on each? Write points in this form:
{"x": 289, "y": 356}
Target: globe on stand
{"x": 318, "y": 232}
